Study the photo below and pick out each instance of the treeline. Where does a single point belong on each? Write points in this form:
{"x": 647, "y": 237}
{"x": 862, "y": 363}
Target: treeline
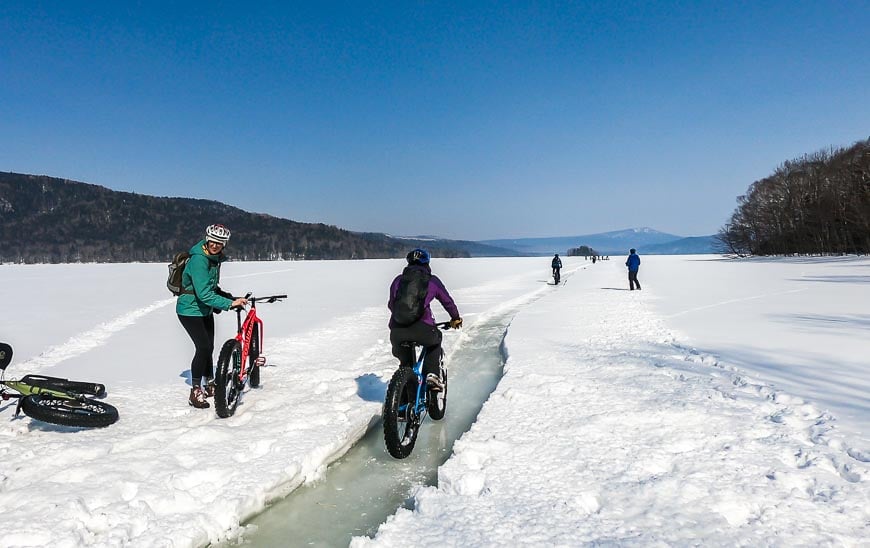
{"x": 51, "y": 220}
{"x": 818, "y": 204}
{"x": 582, "y": 251}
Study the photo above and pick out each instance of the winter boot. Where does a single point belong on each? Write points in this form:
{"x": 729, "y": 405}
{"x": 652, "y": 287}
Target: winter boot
{"x": 197, "y": 398}
{"x": 434, "y": 383}
{"x": 209, "y": 388}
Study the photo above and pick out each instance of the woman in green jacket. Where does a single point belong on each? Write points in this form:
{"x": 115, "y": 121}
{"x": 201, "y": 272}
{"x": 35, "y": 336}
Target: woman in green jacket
{"x": 195, "y": 307}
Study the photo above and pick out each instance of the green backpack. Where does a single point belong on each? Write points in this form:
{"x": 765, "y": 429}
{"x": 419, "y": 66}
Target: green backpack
{"x": 176, "y": 271}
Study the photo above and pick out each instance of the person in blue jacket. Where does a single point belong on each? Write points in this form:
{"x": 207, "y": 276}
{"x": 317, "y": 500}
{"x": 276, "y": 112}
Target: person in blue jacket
{"x": 633, "y": 264}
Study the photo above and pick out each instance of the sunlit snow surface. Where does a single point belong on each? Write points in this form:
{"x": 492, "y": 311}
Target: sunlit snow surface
{"x": 726, "y": 403}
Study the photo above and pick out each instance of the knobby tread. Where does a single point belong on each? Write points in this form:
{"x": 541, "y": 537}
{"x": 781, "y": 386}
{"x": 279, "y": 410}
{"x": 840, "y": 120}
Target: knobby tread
{"x": 400, "y": 436}
{"x": 84, "y": 412}
{"x": 227, "y": 389}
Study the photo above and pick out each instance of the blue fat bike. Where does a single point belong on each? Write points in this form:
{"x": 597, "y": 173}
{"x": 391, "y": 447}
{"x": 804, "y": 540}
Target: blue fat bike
{"x": 408, "y": 402}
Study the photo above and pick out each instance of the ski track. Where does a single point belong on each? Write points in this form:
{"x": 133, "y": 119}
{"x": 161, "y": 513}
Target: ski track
{"x": 622, "y": 452}
{"x": 88, "y": 340}
{"x": 732, "y": 301}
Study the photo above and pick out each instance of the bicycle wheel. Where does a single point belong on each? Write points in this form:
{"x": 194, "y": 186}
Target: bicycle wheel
{"x": 226, "y": 380}
{"x": 253, "y": 354}
{"x": 65, "y": 412}
{"x": 400, "y": 422}
{"x": 436, "y": 403}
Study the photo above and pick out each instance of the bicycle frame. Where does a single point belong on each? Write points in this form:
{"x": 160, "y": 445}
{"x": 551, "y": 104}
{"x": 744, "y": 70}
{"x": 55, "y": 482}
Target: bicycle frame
{"x": 26, "y": 389}
{"x": 245, "y": 333}
{"x": 421, "y": 401}
{"x": 420, "y": 407}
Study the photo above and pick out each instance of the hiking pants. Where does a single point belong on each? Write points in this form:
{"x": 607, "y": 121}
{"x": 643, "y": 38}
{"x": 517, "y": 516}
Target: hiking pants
{"x": 632, "y": 279}
{"x": 201, "y": 331}
{"x": 423, "y": 334}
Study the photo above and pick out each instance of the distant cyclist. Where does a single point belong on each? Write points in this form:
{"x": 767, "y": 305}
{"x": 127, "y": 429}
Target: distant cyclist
{"x": 633, "y": 264}
{"x": 411, "y": 320}
{"x": 556, "y": 263}
{"x": 195, "y": 307}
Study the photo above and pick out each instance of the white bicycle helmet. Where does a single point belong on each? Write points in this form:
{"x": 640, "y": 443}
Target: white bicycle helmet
{"x": 218, "y": 234}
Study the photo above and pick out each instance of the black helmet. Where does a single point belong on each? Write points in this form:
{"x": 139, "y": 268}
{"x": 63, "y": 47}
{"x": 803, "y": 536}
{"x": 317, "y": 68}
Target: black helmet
{"x": 632, "y": 250}
{"x": 418, "y": 256}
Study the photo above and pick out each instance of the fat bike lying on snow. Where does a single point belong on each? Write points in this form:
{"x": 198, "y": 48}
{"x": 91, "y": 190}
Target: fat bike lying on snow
{"x": 240, "y": 360}
{"x": 408, "y": 402}
{"x": 55, "y": 400}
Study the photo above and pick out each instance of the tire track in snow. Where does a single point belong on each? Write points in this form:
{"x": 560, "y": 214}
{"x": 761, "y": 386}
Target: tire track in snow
{"x": 96, "y": 337}
{"x": 732, "y": 301}
{"x": 93, "y": 338}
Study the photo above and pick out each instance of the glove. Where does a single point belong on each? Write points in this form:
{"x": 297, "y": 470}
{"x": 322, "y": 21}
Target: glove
{"x": 456, "y": 324}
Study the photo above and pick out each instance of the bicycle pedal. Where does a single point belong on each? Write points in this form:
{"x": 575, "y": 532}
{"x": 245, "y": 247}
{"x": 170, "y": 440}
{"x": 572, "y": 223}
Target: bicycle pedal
{"x": 260, "y": 361}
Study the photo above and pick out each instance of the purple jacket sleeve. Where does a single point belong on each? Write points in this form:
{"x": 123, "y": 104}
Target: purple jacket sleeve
{"x": 438, "y": 291}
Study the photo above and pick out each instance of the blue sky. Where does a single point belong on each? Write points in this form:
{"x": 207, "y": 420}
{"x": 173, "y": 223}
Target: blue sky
{"x": 469, "y": 120}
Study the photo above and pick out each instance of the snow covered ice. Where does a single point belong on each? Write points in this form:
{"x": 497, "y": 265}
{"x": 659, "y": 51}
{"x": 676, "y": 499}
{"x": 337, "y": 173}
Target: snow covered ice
{"x": 725, "y": 404}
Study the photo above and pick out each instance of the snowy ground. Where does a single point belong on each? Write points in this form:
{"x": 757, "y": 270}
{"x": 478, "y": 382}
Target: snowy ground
{"x": 726, "y": 403}
{"x": 607, "y": 429}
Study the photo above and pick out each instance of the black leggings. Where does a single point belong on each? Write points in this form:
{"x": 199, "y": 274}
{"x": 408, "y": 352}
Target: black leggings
{"x": 201, "y": 331}
{"x": 421, "y": 333}
{"x": 632, "y": 279}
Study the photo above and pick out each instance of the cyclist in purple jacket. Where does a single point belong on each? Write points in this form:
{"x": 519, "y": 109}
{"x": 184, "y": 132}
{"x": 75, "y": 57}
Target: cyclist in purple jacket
{"x": 411, "y": 320}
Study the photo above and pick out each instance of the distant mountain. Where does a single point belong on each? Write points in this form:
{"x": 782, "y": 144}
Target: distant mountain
{"x": 50, "y": 220}
{"x": 472, "y": 249}
{"x": 644, "y": 239}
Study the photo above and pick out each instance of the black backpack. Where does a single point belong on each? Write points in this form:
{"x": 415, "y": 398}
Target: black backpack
{"x": 176, "y": 270}
{"x": 410, "y": 301}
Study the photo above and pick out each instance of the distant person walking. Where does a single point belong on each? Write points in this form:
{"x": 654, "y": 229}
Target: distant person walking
{"x": 633, "y": 264}
{"x": 195, "y": 307}
{"x": 556, "y": 264}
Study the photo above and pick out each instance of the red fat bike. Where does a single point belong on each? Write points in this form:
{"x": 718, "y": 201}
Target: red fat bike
{"x": 240, "y": 360}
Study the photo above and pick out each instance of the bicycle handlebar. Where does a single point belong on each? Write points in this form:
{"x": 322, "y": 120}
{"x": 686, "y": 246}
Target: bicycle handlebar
{"x": 269, "y": 299}
{"x": 252, "y": 300}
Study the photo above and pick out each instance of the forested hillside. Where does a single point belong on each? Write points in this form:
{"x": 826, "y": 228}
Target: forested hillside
{"x": 50, "y": 220}
{"x": 816, "y": 204}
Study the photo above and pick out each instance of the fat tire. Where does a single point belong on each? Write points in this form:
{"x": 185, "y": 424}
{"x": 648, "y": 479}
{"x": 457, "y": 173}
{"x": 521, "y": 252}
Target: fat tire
{"x": 226, "y": 379}
{"x": 253, "y": 354}
{"x": 65, "y": 412}
{"x": 436, "y": 402}
{"x": 401, "y": 435}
